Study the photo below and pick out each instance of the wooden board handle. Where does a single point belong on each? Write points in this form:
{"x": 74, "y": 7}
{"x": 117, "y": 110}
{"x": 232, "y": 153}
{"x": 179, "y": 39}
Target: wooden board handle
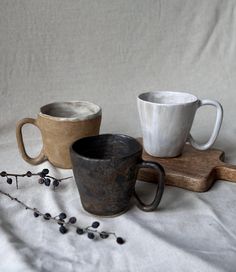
{"x": 226, "y": 172}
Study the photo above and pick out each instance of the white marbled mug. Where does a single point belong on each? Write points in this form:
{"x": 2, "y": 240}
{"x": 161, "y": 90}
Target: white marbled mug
{"x": 166, "y": 119}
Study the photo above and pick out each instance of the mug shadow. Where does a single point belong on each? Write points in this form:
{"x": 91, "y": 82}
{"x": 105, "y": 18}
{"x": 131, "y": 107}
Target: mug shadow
{"x": 173, "y": 198}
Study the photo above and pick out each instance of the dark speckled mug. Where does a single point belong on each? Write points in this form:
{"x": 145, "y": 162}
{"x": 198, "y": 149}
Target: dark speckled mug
{"x": 105, "y": 169}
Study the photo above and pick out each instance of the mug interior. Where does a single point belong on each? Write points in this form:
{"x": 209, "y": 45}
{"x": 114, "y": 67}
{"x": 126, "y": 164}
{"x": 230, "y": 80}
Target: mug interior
{"x": 106, "y": 147}
{"x": 168, "y": 98}
{"x": 76, "y": 110}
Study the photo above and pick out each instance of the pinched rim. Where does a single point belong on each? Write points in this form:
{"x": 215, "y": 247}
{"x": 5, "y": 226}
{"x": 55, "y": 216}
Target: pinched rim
{"x": 96, "y": 113}
{"x": 138, "y": 149}
{"x": 192, "y": 98}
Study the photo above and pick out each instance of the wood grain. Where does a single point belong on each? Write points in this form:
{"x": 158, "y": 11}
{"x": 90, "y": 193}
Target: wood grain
{"x": 194, "y": 170}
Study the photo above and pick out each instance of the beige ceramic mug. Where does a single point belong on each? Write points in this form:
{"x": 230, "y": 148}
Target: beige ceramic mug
{"x": 61, "y": 124}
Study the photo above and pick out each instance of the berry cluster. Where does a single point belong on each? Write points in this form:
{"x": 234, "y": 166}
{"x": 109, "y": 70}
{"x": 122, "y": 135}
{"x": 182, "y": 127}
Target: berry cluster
{"x": 62, "y": 220}
{"x": 91, "y": 231}
{"x": 44, "y": 178}
{"x": 48, "y": 180}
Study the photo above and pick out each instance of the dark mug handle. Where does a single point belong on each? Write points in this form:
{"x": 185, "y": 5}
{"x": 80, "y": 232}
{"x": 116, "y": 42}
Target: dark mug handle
{"x": 160, "y": 186}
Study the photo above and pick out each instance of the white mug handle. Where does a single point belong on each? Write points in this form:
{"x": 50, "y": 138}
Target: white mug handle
{"x": 219, "y": 118}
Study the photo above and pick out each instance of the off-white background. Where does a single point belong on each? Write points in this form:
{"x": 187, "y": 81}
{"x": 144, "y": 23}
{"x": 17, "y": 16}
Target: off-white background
{"x": 108, "y": 52}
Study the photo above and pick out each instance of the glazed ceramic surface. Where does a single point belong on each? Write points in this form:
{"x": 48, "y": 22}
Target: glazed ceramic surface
{"x": 166, "y": 120}
{"x": 60, "y": 125}
{"x": 105, "y": 169}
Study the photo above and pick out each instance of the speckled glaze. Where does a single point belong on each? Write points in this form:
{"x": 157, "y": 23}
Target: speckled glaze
{"x": 166, "y": 120}
{"x": 105, "y": 169}
{"x": 60, "y": 124}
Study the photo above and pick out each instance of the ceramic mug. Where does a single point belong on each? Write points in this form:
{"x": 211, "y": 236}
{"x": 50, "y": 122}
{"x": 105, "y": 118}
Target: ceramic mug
{"x": 105, "y": 169}
{"x": 60, "y": 124}
{"x": 166, "y": 119}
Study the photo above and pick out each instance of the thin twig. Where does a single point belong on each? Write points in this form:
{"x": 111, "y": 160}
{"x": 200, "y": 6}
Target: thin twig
{"x": 44, "y": 177}
{"x": 87, "y": 230}
{"x": 48, "y": 180}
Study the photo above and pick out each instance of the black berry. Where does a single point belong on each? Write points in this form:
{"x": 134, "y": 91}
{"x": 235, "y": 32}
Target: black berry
{"x": 104, "y": 235}
{"x": 72, "y": 220}
{"x": 45, "y": 171}
{"x": 28, "y": 174}
{"x": 55, "y": 183}
{"x": 41, "y": 181}
{"x": 62, "y": 216}
{"x": 95, "y": 224}
{"x": 47, "y": 216}
{"x": 47, "y": 182}
{"x": 9, "y": 180}
{"x": 63, "y": 229}
{"x": 3, "y": 174}
{"x": 120, "y": 240}
{"x": 36, "y": 214}
{"x": 42, "y": 175}
{"x": 79, "y": 231}
{"x": 91, "y": 235}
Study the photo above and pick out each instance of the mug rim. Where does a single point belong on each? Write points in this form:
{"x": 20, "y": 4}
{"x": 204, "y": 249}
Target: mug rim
{"x": 176, "y": 93}
{"x": 72, "y": 119}
{"x": 140, "y": 148}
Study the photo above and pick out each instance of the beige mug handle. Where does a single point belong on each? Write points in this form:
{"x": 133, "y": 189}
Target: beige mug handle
{"x": 41, "y": 157}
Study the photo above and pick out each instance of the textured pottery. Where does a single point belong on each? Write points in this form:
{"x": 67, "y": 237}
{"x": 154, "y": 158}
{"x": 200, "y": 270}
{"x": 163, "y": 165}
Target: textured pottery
{"x": 166, "y": 120}
{"x": 105, "y": 169}
{"x": 60, "y": 125}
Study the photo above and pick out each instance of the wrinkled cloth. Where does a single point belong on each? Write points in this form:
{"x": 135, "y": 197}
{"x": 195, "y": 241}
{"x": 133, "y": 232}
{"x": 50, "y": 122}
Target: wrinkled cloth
{"x": 108, "y": 52}
{"x": 189, "y": 231}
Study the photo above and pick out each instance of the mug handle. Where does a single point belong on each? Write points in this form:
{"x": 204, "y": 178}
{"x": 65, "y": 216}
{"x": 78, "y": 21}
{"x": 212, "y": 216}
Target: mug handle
{"x": 38, "y": 159}
{"x": 218, "y": 122}
{"x": 160, "y": 186}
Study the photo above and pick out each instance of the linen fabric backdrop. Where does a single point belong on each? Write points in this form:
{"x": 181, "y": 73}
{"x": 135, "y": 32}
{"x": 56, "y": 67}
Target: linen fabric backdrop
{"x": 107, "y": 52}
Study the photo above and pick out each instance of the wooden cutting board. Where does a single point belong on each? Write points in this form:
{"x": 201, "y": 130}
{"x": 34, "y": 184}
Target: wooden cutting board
{"x": 194, "y": 170}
